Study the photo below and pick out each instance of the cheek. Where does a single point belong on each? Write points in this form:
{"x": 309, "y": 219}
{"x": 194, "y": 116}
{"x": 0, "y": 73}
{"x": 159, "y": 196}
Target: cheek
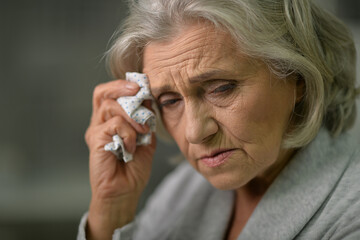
{"x": 258, "y": 123}
{"x": 262, "y": 111}
{"x": 176, "y": 128}
{"x": 241, "y": 118}
{"x": 172, "y": 121}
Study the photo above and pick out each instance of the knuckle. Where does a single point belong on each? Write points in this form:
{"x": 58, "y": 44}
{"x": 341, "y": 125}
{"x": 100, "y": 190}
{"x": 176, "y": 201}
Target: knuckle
{"x": 97, "y": 89}
{"x": 87, "y": 136}
{"x": 97, "y": 92}
{"x": 107, "y": 104}
{"x": 122, "y": 127}
{"x": 129, "y": 137}
{"x": 105, "y": 110}
{"x": 96, "y": 98}
{"x": 117, "y": 120}
{"x": 132, "y": 136}
{"x": 116, "y": 123}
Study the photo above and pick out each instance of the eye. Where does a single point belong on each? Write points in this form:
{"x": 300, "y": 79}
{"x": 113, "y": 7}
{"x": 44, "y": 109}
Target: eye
{"x": 168, "y": 102}
{"x": 224, "y": 88}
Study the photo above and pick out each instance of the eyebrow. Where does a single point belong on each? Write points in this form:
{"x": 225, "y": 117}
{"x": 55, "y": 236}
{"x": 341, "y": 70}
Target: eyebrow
{"x": 207, "y": 75}
{"x": 195, "y": 79}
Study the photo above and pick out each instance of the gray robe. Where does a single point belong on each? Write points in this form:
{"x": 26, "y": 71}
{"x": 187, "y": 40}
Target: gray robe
{"x": 316, "y": 196}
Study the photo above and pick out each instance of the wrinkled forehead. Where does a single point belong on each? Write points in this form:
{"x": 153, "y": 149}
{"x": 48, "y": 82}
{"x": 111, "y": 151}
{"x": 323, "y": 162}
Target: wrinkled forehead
{"x": 197, "y": 55}
{"x": 198, "y": 45}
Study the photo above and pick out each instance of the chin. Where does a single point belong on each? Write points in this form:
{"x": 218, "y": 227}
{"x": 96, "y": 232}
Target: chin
{"x": 222, "y": 182}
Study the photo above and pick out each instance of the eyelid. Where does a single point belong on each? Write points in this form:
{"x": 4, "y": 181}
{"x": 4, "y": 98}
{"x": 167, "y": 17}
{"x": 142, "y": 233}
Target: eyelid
{"x": 209, "y": 84}
{"x": 167, "y": 93}
{"x": 225, "y": 88}
{"x": 169, "y": 96}
{"x": 221, "y": 83}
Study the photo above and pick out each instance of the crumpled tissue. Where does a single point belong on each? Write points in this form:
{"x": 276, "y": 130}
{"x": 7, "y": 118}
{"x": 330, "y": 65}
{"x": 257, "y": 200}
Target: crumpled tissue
{"x": 133, "y": 108}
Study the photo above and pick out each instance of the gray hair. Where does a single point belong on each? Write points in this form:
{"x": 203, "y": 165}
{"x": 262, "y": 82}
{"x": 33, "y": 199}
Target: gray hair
{"x": 292, "y": 37}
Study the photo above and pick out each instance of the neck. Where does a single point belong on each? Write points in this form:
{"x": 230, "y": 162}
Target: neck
{"x": 257, "y": 187}
{"x": 248, "y": 196}
{"x": 265, "y": 179}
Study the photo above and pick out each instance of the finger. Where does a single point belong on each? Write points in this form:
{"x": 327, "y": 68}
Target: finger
{"x": 113, "y": 90}
{"x": 98, "y": 136}
{"x": 111, "y": 108}
{"x": 118, "y": 125}
{"x": 146, "y": 153}
{"x": 108, "y": 109}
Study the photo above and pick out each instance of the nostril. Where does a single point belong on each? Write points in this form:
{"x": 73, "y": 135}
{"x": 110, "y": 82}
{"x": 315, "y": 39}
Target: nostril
{"x": 200, "y": 131}
{"x": 208, "y": 138}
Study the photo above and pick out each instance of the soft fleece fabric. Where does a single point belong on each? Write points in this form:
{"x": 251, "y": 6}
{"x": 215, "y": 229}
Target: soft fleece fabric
{"x": 316, "y": 196}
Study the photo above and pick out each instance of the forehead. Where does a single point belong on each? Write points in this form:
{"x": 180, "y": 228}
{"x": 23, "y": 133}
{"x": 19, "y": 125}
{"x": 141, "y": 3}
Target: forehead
{"x": 194, "y": 43}
{"x": 195, "y": 50}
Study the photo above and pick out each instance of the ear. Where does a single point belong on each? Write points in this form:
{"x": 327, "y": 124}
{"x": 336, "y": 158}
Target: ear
{"x": 300, "y": 89}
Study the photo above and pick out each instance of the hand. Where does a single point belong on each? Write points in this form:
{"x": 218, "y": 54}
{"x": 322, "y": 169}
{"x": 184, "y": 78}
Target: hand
{"x": 116, "y": 186}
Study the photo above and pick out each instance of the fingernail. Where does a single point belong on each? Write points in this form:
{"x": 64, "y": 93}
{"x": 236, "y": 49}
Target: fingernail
{"x": 131, "y": 86}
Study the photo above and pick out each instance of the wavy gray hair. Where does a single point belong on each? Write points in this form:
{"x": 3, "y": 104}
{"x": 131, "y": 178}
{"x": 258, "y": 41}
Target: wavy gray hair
{"x": 291, "y": 37}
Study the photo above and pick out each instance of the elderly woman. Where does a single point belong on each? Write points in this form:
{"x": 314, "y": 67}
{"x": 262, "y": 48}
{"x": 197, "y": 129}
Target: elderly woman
{"x": 258, "y": 95}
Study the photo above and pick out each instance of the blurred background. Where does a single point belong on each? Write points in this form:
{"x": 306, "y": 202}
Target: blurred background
{"x": 50, "y": 61}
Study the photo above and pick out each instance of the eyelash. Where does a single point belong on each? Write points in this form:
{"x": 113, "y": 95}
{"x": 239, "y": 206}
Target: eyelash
{"x": 224, "y": 88}
{"x": 168, "y": 102}
{"x": 219, "y": 90}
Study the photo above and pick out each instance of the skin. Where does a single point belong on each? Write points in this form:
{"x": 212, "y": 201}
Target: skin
{"x": 116, "y": 187}
{"x": 236, "y": 103}
{"x": 212, "y": 98}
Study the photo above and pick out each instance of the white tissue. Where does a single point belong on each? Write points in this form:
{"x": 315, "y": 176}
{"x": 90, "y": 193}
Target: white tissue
{"x": 132, "y": 106}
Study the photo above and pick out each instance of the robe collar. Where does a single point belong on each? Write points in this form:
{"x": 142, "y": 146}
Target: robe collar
{"x": 300, "y": 189}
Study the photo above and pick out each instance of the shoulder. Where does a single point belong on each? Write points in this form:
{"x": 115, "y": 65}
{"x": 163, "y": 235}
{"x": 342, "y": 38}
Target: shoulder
{"x": 345, "y": 201}
{"x": 347, "y": 149}
{"x": 346, "y": 189}
{"x": 339, "y": 213}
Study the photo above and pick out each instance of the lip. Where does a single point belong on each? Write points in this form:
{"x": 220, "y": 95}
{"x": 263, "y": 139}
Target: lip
{"x": 216, "y": 158}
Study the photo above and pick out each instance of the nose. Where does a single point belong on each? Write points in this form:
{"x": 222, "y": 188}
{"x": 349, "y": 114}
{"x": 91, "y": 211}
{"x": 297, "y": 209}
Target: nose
{"x": 199, "y": 123}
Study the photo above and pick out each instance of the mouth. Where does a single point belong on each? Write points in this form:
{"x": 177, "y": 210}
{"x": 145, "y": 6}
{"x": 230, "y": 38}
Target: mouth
{"x": 216, "y": 158}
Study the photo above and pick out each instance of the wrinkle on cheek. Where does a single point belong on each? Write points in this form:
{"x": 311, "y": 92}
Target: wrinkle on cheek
{"x": 172, "y": 119}
{"x": 236, "y": 105}
{"x": 230, "y": 102}
{"x": 239, "y": 120}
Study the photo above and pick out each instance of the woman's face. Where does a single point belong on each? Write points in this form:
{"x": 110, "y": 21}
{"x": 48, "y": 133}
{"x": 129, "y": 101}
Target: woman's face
{"x": 227, "y": 113}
